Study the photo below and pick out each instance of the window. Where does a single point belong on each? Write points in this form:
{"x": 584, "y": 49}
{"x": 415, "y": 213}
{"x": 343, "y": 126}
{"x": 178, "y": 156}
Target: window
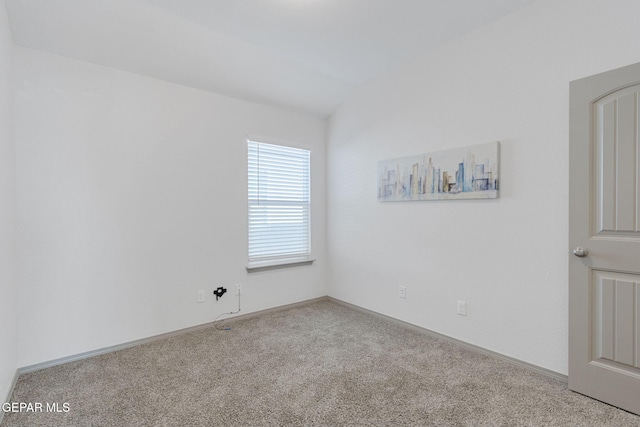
{"x": 279, "y": 204}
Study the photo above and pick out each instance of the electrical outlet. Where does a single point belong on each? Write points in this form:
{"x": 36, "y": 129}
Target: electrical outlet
{"x": 402, "y": 291}
{"x": 462, "y": 308}
{"x": 201, "y": 296}
{"x": 238, "y": 288}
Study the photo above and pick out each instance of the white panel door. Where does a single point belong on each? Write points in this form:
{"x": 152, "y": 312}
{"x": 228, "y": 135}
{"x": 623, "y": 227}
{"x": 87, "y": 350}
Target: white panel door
{"x": 604, "y": 234}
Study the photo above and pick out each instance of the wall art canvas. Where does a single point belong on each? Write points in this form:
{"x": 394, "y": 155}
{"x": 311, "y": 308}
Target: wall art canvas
{"x": 459, "y": 173}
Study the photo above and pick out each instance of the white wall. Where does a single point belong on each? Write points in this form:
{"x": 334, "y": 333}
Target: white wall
{"x": 507, "y": 258}
{"x": 131, "y": 197}
{"x": 8, "y": 311}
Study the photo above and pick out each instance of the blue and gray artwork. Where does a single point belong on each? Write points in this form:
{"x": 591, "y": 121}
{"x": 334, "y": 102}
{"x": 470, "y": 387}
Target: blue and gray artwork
{"x": 459, "y": 173}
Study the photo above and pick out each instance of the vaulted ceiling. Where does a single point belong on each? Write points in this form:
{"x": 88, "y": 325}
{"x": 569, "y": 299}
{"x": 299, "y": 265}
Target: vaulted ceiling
{"x": 306, "y": 55}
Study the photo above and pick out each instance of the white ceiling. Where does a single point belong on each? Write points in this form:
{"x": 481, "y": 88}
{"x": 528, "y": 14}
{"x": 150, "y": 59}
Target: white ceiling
{"x": 306, "y": 55}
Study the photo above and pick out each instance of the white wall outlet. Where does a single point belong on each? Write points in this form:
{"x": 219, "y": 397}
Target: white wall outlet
{"x": 201, "y": 296}
{"x": 238, "y": 288}
{"x": 402, "y": 291}
{"x": 462, "y": 308}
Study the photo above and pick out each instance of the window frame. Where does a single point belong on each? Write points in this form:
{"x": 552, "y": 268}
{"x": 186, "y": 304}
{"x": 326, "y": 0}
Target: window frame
{"x": 284, "y": 259}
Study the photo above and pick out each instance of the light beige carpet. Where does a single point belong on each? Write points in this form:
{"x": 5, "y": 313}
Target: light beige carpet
{"x": 321, "y": 364}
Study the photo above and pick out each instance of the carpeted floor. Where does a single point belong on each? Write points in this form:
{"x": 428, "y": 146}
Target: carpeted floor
{"x": 322, "y": 364}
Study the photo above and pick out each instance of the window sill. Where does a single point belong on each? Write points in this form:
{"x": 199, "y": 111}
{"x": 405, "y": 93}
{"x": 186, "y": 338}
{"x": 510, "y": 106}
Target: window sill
{"x": 278, "y": 263}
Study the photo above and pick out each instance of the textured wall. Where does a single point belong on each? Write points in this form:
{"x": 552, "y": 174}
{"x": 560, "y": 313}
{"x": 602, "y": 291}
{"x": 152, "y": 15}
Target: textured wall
{"x": 131, "y": 198}
{"x": 507, "y": 258}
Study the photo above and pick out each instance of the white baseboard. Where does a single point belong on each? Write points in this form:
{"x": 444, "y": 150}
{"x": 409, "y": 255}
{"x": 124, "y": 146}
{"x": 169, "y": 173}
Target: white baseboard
{"x": 88, "y": 354}
{"x": 10, "y": 392}
{"x": 92, "y": 353}
{"x": 529, "y": 366}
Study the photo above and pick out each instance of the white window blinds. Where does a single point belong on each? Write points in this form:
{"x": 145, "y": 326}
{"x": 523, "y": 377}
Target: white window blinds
{"x": 279, "y": 202}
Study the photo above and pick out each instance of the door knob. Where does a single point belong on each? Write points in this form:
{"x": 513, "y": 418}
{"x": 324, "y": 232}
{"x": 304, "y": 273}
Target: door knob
{"x": 580, "y": 252}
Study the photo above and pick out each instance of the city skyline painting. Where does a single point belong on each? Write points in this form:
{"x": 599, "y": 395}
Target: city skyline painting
{"x": 459, "y": 173}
